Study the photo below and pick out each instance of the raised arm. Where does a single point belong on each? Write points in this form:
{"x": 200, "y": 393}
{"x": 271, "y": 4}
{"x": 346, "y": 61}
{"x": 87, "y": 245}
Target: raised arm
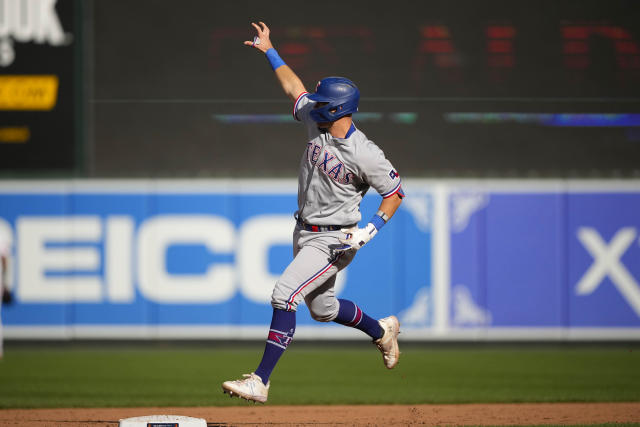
{"x": 290, "y": 82}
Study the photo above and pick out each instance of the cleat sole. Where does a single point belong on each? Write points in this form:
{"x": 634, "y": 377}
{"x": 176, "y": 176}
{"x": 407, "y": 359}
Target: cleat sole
{"x": 232, "y": 395}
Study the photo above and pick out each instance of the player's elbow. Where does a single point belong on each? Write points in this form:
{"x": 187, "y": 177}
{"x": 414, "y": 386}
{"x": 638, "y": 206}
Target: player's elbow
{"x": 395, "y": 201}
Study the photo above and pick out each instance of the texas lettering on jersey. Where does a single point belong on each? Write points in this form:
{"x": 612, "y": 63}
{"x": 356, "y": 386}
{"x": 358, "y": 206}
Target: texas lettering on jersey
{"x": 328, "y": 163}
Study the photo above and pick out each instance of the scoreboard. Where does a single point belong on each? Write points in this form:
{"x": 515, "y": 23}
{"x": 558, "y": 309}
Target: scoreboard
{"x": 449, "y": 88}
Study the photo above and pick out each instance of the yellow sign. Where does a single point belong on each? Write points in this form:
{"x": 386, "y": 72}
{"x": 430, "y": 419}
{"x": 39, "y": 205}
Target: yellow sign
{"x": 28, "y": 92}
{"x": 14, "y": 135}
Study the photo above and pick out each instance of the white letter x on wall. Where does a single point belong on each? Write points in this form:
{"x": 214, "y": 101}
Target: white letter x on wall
{"x": 606, "y": 262}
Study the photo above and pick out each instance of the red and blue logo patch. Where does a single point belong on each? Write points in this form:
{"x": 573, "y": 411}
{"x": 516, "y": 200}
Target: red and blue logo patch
{"x": 279, "y": 338}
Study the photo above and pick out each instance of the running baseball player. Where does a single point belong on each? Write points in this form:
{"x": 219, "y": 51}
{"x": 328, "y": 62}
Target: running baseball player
{"x": 338, "y": 165}
{"x": 4, "y": 284}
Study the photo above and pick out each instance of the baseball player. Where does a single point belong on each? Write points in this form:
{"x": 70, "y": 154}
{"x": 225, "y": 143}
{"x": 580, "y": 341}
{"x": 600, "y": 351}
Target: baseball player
{"x": 338, "y": 165}
{"x": 4, "y": 285}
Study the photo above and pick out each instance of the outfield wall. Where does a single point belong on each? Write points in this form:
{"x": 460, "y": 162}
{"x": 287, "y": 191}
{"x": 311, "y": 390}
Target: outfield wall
{"x": 197, "y": 259}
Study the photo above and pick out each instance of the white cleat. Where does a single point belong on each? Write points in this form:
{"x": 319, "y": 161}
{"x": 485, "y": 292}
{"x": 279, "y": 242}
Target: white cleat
{"x": 388, "y": 344}
{"x": 250, "y": 388}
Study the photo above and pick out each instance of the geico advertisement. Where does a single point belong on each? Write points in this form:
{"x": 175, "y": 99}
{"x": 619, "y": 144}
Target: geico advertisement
{"x": 489, "y": 260}
{"x": 206, "y": 258}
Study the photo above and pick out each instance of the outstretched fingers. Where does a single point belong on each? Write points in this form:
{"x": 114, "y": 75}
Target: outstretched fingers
{"x": 262, "y": 37}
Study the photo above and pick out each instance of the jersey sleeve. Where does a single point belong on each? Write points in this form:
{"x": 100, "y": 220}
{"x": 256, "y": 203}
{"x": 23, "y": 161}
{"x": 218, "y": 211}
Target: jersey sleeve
{"x": 379, "y": 173}
{"x": 302, "y": 106}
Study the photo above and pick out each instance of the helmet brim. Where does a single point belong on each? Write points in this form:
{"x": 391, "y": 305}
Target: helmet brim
{"x": 319, "y": 98}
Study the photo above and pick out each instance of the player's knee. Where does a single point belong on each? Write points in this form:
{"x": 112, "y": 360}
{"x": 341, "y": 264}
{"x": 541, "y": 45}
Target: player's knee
{"x": 324, "y": 315}
{"x": 282, "y": 304}
{"x": 281, "y": 301}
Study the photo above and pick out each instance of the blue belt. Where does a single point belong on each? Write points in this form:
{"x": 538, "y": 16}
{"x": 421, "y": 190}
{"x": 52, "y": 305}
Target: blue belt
{"x": 310, "y": 227}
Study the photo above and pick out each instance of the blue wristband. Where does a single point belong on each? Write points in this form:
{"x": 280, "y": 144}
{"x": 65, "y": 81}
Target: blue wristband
{"x": 377, "y": 222}
{"x": 274, "y": 59}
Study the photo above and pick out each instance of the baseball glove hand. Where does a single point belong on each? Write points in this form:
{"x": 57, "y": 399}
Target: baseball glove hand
{"x": 356, "y": 237}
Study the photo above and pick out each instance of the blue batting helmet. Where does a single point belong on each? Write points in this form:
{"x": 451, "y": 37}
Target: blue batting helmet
{"x": 342, "y": 97}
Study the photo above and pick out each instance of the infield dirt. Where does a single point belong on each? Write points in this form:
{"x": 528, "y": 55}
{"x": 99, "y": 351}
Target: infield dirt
{"x": 435, "y": 415}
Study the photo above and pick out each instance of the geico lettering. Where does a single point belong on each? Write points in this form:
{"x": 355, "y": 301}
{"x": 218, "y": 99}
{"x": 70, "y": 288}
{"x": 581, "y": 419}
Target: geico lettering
{"x": 92, "y": 259}
{"x": 31, "y": 21}
{"x": 119, "y": 259}
{"x": 41, "y": 266}
{"x": 157, "y": 234}
{"x": 257, "y": 235}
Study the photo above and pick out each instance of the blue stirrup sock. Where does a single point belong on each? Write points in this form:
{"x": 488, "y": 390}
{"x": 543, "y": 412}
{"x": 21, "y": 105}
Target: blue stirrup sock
{"x": 349, "y": 314}
{"x": 283, "y": 325}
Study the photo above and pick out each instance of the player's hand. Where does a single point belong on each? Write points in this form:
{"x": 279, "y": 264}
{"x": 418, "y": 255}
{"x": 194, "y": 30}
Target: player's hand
{"x": 356, "y": 237}
{"x": 261, "y": 41}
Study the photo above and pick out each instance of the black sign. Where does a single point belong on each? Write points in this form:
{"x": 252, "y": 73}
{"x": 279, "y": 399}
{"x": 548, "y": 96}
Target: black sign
{"x": 37, "y": 88}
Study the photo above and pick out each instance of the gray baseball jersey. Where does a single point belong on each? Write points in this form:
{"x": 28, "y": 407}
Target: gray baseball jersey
{"x": 335, "y": 173}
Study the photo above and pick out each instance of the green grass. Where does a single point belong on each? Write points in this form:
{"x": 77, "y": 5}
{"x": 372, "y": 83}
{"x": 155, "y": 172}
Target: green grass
{"x": 574, "y": 425}
{"x": 590, "y": 425}
{"x": 160, "y": 376}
